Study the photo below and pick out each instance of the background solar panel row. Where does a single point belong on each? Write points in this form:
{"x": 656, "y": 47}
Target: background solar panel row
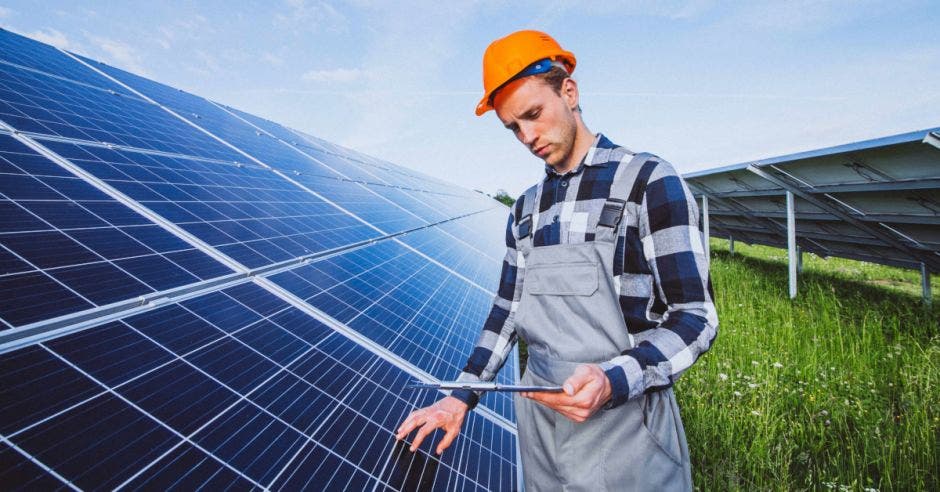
{"x": 874, "y": 200}
{"x": 231, "y": 387}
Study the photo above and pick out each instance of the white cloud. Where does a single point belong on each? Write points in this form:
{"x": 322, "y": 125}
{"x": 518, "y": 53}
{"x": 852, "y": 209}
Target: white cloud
{"x": 558, "y": 11}
{"x": 272, "y": 59}
{"x": 805, "y": 15}
{"x": 344, "y": 75}
{"x": 312, "y": 15}
{"x": 184, "y": 31}
{"x": 51, "y": 36}
{"x": 119, "y": 53}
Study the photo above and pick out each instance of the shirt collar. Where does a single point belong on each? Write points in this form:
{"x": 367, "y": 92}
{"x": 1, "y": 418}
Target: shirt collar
{"x": 596, "y": 156}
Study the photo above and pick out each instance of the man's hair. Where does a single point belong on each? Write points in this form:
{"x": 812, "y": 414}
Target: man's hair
{"x": 554, "y": 78}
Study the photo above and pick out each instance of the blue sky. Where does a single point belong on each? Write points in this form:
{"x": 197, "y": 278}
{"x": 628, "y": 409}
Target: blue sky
{"x": 699, "y": 83}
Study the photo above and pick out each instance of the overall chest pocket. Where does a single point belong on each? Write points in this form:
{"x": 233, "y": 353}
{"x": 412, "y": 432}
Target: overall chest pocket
{"x": 562, "y": 279}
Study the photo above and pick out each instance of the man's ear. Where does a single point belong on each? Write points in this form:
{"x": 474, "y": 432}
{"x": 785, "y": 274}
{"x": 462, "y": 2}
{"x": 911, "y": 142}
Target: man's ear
{"x": 569, "y": 91}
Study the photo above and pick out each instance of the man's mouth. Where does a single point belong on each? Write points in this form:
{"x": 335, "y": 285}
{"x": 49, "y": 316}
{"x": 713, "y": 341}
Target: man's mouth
{"x": 541, "y": 151}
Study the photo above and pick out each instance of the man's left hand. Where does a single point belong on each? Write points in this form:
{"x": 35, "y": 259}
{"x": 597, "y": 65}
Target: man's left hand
{"x": 586, "y": 391}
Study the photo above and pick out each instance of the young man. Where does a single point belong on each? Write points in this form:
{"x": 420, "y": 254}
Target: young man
{"x": 606, "y": 280}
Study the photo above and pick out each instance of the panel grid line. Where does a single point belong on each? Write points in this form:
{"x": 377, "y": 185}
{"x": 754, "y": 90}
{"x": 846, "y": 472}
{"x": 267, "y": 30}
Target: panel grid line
{"x": 159, "y": 422}
{"x": 38, "y": 463}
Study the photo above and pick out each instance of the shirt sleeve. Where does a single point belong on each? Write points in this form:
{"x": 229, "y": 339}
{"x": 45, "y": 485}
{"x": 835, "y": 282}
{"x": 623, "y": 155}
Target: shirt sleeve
{"x": 498, "y": 335}
{"x": 673, "y": 249}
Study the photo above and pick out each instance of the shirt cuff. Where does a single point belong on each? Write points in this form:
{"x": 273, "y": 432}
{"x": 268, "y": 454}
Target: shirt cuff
{"x": 471, "y": 398}
{"x": 619, "y": 387}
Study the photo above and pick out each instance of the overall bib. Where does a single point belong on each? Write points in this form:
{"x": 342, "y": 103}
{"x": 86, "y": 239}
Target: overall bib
{"x": 569, "y": 314}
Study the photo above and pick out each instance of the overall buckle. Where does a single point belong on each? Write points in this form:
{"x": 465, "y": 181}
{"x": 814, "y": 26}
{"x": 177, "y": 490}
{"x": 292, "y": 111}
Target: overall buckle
{"x": 612, "y": 212}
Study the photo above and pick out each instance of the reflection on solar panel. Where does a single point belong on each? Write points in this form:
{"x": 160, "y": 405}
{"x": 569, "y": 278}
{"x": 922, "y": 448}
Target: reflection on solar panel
{"x": 193, "y": 296}
{"x": 873, "y": 201}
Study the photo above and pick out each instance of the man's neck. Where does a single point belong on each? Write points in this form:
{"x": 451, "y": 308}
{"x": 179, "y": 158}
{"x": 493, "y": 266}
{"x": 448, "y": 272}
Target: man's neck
{"x": 583, "y": 140}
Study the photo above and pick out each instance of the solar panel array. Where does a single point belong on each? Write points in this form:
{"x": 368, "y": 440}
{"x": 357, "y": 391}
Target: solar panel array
{"x": 193, "y": 296}
{"x": 876, "y": 200}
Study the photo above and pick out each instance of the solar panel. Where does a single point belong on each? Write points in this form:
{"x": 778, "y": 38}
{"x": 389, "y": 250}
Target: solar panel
{"x": 197, "y": 297}
{"x": 873, "y": 200}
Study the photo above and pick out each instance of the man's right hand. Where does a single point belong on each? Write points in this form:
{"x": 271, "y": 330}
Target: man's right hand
{"x": 447, "y": 413}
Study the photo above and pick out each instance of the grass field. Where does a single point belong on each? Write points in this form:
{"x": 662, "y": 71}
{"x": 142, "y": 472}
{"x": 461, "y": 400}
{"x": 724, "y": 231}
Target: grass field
{"x": 838, "y": 389}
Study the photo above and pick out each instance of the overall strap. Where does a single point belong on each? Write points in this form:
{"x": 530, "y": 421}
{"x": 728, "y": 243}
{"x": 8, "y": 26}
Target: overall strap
{"x": 527, "y": 218}
{"x": 621, "y": 195}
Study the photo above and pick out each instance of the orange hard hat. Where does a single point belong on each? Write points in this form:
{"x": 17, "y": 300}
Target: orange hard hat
{"x": 506, "y": 57}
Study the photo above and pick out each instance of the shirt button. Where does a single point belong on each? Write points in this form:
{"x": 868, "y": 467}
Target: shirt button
{"x": 564, "y": 183}
{"x": 555, "y": 219}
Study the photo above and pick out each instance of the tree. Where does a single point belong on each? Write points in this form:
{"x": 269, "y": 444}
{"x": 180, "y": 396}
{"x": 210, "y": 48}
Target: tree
{"x": 502, "y": 196}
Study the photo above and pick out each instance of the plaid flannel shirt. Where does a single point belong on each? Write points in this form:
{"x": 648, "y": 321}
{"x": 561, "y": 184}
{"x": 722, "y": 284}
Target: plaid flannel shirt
{"x": 665, "y": 292}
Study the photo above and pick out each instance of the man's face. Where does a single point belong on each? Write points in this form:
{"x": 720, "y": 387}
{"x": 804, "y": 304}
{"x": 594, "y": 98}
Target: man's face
{"x": 540, "y": 118}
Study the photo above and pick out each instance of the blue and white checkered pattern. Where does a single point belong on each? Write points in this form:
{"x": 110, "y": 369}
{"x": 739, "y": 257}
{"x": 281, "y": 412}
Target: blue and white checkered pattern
{"x": 665, "y": 292}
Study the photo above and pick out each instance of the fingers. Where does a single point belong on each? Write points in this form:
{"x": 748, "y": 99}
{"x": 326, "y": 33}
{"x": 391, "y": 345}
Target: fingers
{"x": 583, "y": 394}
{"x": 552, "y": 399}
{"x": 414, "y": 419}
{"x": 582, "y": 376}
{"x": 423, "y": 432}
{"x": 447, "y": 439}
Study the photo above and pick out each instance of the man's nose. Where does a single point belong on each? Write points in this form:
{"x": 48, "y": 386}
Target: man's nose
{"x": 527, "y": 134}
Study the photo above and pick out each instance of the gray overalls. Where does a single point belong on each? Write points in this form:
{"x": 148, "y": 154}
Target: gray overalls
{"x": 569, "y": 314}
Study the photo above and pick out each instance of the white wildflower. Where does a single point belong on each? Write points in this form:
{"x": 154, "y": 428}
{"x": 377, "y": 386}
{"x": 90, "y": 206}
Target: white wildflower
{"x": 778, "y": 365}
{"x": 737, "y": 393}
{"x": 722, "y": 376}
{"x": 755, "y": 412}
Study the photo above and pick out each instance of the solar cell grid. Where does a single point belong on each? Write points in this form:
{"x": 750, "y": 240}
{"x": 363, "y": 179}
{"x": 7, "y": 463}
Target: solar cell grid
{"x": 412, "y": 202}
{"x": 247, "y": 212}
{"x": 360, "y": 201}
{"x": 485, "y": 231}
{"x": 39, "y": 56}
{"x": 220, "y": 122}
{"x": 449, "y": 204}
{"x": 181, "y": 398}
{"x": 403, "y": 302}
{"x": 459, "y": 256}
{"x": 36, "y": 102}
{"x": 84, "y": 246}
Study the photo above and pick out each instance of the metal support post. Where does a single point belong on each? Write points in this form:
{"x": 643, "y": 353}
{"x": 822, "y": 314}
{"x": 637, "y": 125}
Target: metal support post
{"x": 791, "y": 243}
{"x": 731, "y": 245}
{"x": 705, "y": 227}
{"x": 925, "y": 283}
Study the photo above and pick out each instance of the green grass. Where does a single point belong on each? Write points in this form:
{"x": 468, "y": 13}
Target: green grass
{"x": 837, "y": 389}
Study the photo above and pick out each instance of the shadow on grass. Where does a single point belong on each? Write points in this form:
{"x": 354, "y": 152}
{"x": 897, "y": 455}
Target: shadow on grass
{"x": 857, "y": 297}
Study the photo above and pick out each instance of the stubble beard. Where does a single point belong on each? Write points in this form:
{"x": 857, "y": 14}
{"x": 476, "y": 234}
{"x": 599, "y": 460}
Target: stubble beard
{"x": 565, "y": 144}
